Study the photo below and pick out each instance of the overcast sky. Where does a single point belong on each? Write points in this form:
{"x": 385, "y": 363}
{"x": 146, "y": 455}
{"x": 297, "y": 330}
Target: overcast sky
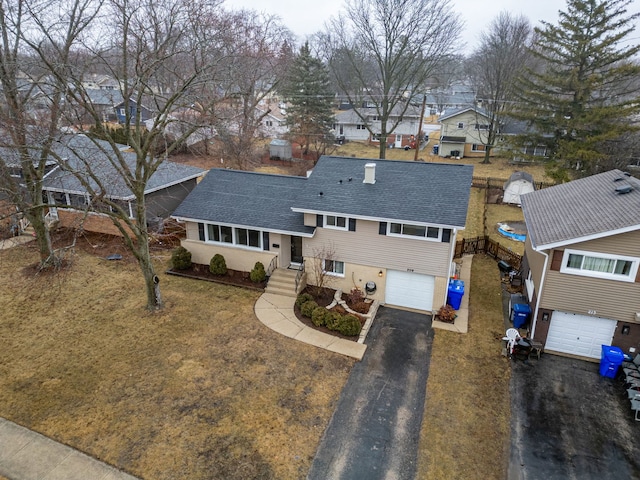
{"x": 307, "y": 17}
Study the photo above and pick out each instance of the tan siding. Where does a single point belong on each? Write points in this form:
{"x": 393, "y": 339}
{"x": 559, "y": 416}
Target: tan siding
{"x": 366, "y": 246}
{"x": 536, "y": 262}
{"x": 356, "y": 276}
{"x": 235, "y": 258}
{"x": 242, "y": 259}
{"x": 310, "y": 219}
{"x": 578, "y": 294}
{"x": 624, "y": 244}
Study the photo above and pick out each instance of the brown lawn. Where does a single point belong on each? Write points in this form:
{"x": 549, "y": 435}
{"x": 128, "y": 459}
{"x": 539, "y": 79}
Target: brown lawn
{"x": 201, "y": 390}
{"x": 465, "y": 431}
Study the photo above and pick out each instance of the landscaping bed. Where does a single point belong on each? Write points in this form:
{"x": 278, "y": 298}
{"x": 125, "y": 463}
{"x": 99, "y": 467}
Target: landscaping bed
{"x": 324, "y": 298}
{"x": 232, "y": 277}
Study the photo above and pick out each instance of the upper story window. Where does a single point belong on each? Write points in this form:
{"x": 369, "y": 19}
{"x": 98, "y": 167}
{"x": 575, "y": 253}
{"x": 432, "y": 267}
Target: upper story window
{"x": 481, "y": 126}
{"x": 235, "y": 236}
{"x": 332, "y": 221}
{"x": 613, "y": 267}
{"x": 360, "y": 127}
{"x": 460, "y": 125}
{"x": 409, "y": 230}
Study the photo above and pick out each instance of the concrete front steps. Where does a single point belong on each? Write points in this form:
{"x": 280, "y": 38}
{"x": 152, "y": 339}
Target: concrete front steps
{"x": 283, "y": 282}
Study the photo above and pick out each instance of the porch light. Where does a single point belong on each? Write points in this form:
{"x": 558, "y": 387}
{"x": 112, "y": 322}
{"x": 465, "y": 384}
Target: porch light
{"x": 380, "y": 273}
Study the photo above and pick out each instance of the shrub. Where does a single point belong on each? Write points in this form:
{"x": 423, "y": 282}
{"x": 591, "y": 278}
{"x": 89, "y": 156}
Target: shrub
{"x": 332, "y": 320}
{"x": 181, "y": 258}
{"x": 355, "y": 296}
{"x": 360, "y": 307}
{"x": 349, "y": 325}
{"x": 218, "y": 266}
{"x": 303, "y": 298}
{"x": 307, "y": 308}
{"x": 319, "y": 316}
{"x": 446, "y": 314}
{"x": 258, "y": 274}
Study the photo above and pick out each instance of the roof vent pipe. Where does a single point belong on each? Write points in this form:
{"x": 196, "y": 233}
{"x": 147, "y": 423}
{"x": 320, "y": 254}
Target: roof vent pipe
{"x": 370, "y": 173}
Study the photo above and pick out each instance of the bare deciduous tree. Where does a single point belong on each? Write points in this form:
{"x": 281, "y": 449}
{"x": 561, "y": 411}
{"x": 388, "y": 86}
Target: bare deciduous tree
{"x": 33, "y": 97}
{"x": 381, "y": 52}
{"x": 495, "y": 67}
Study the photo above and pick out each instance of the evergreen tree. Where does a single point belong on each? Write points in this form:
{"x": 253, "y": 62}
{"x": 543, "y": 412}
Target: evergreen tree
{"x": 583, "y": 92}
{"x": 310, "y": 100}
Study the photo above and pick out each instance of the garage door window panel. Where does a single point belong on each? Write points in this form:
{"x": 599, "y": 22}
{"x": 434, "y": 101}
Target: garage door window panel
{"x": 597, "y": 265}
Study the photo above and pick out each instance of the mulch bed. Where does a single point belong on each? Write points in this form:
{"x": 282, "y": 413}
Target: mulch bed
{"x": 233, "y": 277}
{"x": 324, "y": 299}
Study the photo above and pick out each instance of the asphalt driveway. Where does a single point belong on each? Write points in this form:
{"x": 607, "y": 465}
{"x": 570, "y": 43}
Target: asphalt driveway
{"x": 568, "y": 422}
{"x": 375, "y": 428}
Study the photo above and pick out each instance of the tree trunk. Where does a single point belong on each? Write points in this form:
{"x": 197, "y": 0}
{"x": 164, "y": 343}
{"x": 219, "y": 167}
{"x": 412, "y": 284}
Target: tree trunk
{"x": 151, "y": 280}
{"x": 43, "y": 238}
{"x": 487, "y": 152}
{"x": 383, "y": 142}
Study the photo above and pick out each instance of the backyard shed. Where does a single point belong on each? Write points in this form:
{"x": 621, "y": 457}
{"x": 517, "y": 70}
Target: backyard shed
{"x": 279, "y": 149}
{"x": 518, "y": 184}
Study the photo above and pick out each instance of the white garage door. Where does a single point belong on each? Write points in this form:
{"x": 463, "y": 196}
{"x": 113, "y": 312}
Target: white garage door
{"x": 411, "y": 290}
{"x": 579, "y": 334}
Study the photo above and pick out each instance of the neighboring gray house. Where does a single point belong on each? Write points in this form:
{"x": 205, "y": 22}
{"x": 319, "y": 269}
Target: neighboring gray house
{"x": 389, "y": 224}
{"x": 582, "y": 264}
{"x": 68, "y": 198}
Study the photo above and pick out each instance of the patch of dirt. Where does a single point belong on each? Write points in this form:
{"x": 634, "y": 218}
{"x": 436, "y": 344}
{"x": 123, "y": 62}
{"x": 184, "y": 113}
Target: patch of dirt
{"x": 233, "y": 277}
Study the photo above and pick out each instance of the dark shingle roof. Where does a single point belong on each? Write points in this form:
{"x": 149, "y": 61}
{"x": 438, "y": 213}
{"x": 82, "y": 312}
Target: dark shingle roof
{"x": 581, "y": 209}
{"x": 433, "y": 193}
{"x": 248, "y": 199}
{"x": 79, "y": 151}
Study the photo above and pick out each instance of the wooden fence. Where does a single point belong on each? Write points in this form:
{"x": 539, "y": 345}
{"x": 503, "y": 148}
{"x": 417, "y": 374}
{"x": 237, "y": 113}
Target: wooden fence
{"x": 490, "y": 247}
{"x": 488, "y": 183}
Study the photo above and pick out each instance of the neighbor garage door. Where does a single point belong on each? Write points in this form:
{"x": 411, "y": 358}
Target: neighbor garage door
{"x": 579, "y": 334}
{"x": 411, "y": 290}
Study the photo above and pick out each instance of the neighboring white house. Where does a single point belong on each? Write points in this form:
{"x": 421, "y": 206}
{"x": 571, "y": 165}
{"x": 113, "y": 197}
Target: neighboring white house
{"x": 350, "y": 126}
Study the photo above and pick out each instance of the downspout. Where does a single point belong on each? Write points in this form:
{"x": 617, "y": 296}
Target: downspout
{"x": 539, "y": 295}
{"x": 452, "y": 252}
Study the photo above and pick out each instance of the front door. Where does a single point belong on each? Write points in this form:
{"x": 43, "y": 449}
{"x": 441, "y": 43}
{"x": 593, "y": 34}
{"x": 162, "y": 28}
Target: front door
{"x": 296, "y": 250}
{"x": 398, "y": 141}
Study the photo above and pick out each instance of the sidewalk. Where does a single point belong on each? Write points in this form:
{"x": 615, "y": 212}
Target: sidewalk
{"x": 27, "y": 455}
{"x": 15, "y": 241}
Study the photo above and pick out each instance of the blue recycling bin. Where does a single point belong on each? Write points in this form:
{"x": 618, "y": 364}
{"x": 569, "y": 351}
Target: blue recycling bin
{"x": 520, "y": 314}
{"x": 611, "y": 359}
{"x": 455, "y": 293}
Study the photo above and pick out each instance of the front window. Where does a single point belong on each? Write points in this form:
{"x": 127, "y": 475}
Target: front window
{"x": 409, "y": 230}
{"x": 460, "y": 125}
{"x": 333, "y": 267}
{"x": 333, "y": 221}
{"x": 480, "y": 126}
{"x": 614, "y": 267}
{"x": 477, "y": 147}
{"x": 249, "y": 238}
{"x": 235, "y": 236}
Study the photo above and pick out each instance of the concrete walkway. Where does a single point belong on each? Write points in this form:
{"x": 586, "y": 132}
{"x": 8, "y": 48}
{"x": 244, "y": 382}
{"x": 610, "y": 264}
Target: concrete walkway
{"x": 27, "y": 455}
{"x": 276, "y": 312}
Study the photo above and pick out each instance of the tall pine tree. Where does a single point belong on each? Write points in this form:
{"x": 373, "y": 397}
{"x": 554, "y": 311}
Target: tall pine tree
{"x": 310, "y": 99}
{"x": 585, "y": 88}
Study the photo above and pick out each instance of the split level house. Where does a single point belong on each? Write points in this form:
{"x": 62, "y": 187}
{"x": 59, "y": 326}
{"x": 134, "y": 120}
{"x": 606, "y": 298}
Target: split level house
{"x": 582, "y": 264}
{"x": 70, "y": 201}
{"x": 464, "y": 132}
{"x": 386, "y": 227}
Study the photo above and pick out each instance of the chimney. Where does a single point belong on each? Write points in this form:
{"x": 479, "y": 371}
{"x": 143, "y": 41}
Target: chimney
{"x": 370, "y": 173}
